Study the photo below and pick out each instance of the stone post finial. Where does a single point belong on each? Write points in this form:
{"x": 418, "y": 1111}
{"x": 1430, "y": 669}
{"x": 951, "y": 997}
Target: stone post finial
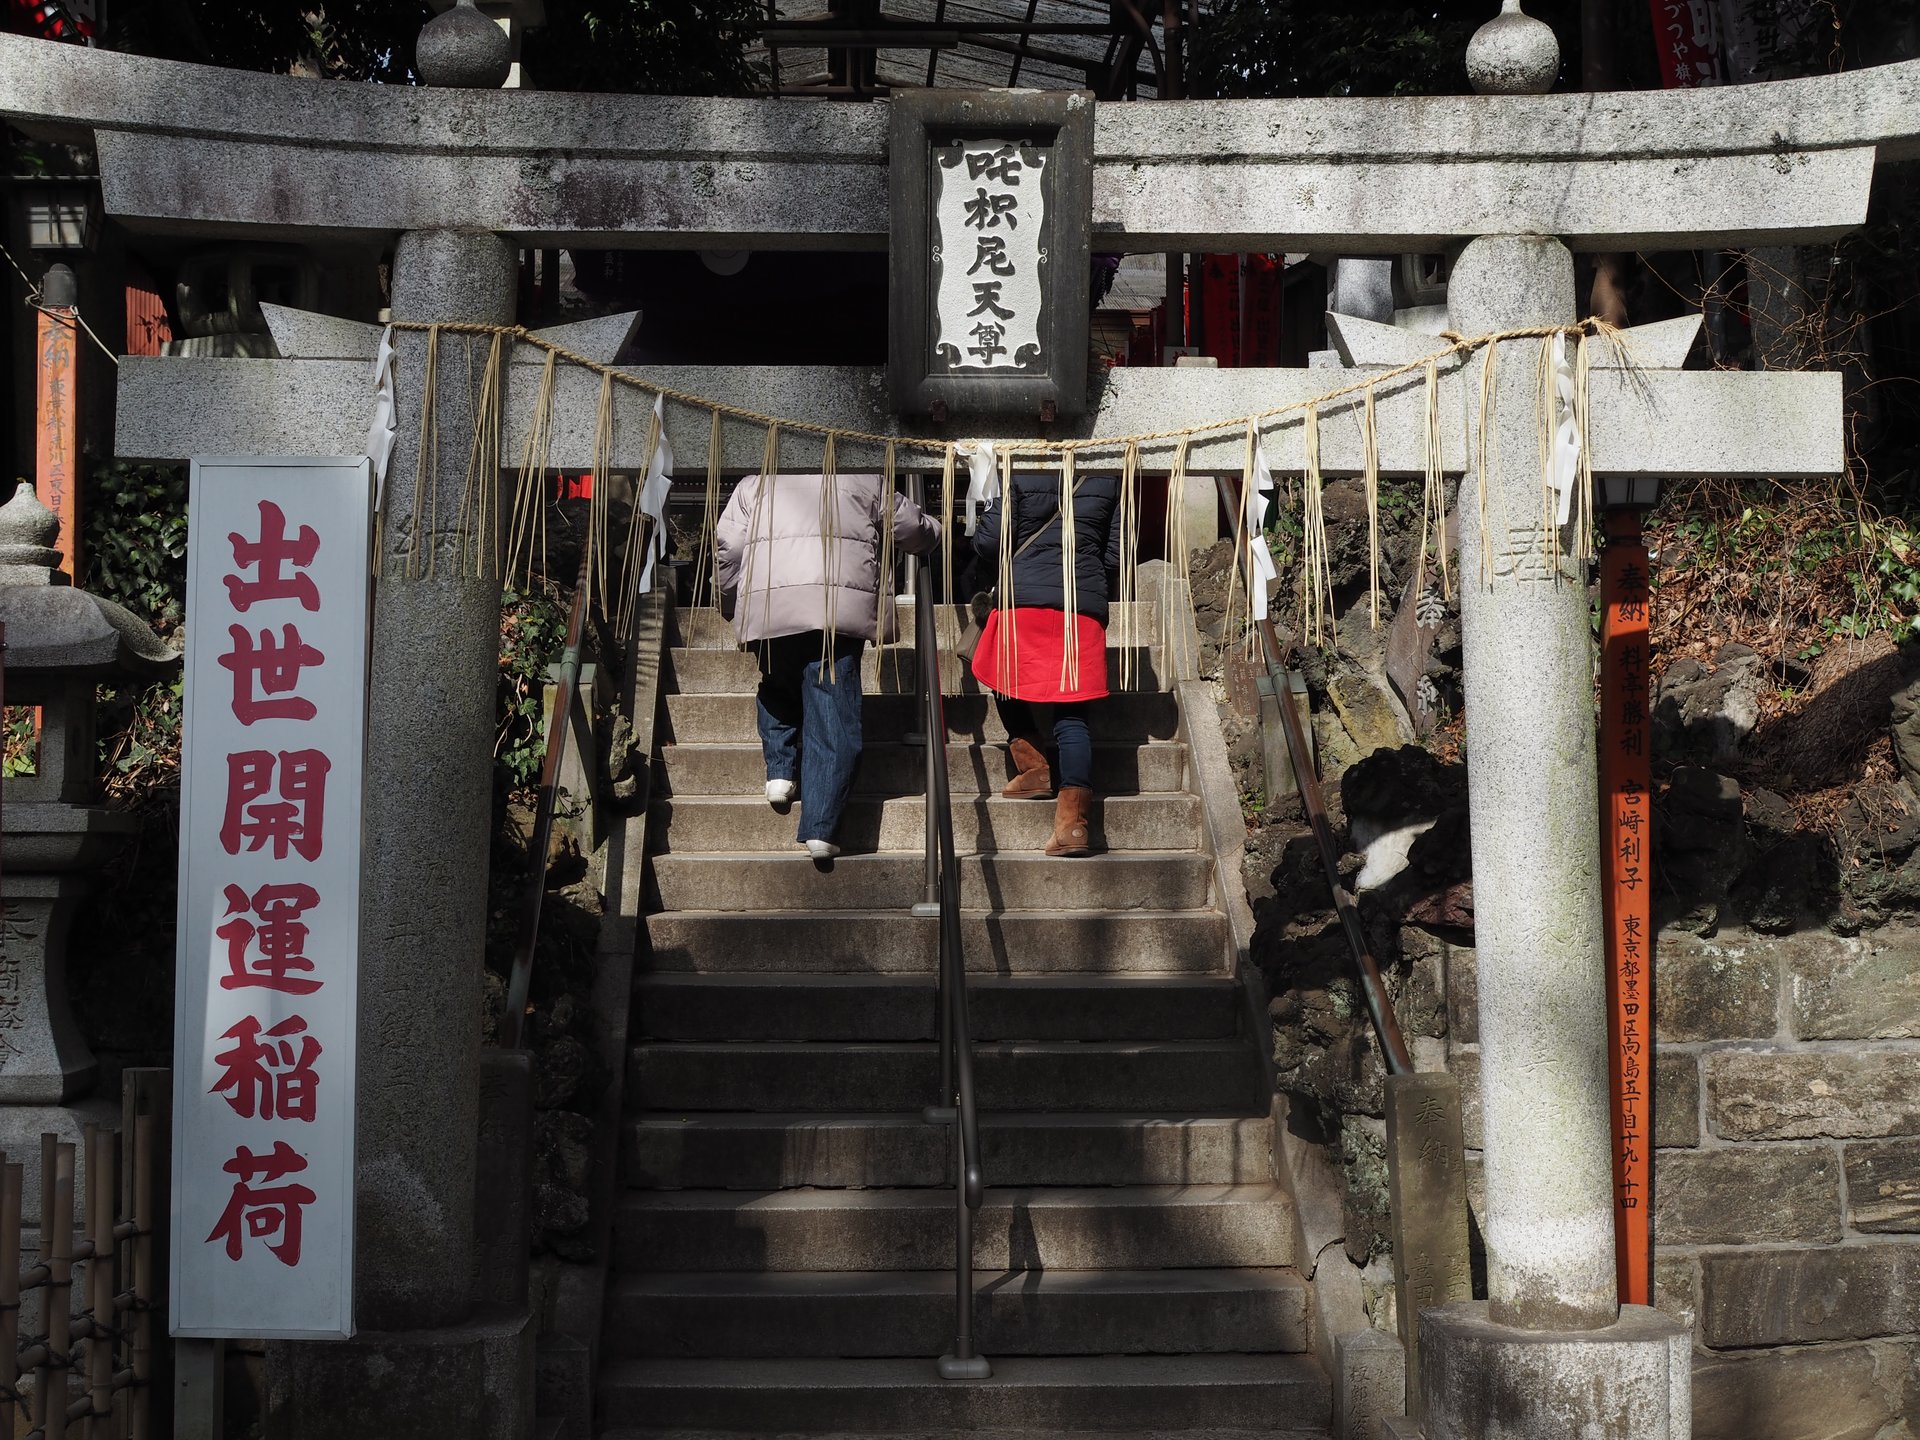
{"x": 28, "y": 532}
{"x": 464, "y": 50}
{"x": 1513, "y": 54}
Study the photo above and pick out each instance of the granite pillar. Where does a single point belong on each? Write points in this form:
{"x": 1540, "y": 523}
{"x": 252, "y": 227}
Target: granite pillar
{"x": 1533, "y": 798}
{"x": 428, "y": 798}
{"x": 432, "y": 1357}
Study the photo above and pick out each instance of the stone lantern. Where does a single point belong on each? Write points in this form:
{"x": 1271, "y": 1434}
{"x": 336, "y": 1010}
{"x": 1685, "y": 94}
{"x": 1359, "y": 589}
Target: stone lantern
{"x": 61, "y": 642}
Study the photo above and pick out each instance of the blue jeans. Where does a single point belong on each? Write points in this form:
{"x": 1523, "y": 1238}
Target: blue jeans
{"x": 1072, "y": 740}
{"x": 809, "y": 729}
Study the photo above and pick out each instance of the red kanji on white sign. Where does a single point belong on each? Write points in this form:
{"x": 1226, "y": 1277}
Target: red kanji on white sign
{"x": 270, "y": 898}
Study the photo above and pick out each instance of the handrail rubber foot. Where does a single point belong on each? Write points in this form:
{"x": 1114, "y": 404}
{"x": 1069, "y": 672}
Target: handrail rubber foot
{"x": 976, "y": 1367}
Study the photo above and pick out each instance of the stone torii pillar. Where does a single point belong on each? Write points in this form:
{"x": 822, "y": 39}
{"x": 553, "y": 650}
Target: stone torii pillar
{"x": 452, "y": 1366}
{"x": 1551, "y": 1352}
{"x": 1533, "y": 797}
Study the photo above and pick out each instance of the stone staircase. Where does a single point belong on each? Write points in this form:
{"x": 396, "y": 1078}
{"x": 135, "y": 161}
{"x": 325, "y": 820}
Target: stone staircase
{"x": 782, "y": 1250}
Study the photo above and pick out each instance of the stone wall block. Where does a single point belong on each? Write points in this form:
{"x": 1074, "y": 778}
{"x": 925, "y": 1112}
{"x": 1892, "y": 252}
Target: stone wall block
{"x": 1748, "y": 1196}
{"x": 1676, "y": 1099}
{"x": 1463, "y": 1013}
{"x": 1712, "y": 990}
{"x": 1864, "y": 1094}
{"x": 1883, "y": 1187}
{"x": 1676, "y": 1287}
{"x": 1794, "y": 1297}
{"x": 1833, "y": 1392}
{"x": 1465, "y": 1066}
{"x": 1866, "y": 988}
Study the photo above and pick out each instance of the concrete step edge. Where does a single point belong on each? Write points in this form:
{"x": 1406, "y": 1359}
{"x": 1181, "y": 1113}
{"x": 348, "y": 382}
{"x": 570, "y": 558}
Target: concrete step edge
{"x": 829, "y": 980}
{"x": 1096, "y": 1197}
{"x": 746, "y": 1285}
{"x": 1143, "y": 1372}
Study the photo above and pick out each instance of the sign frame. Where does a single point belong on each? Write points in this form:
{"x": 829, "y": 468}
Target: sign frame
{"x": 303, "y": 486}
{"x": 1061, "y": 123}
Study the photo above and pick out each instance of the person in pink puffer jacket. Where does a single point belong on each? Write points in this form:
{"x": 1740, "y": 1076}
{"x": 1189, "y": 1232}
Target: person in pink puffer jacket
{"x": 800, "y": 555}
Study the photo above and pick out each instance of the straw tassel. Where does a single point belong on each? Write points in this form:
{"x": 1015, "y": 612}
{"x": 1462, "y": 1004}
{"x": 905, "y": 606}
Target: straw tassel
{"x": 829, "y": 553}
{"x": 1370, "y": 449}
{"x": 1008, "y": 643}
{"x": 480, "y": 493}
{"x": 529, "y": 502}
{"x": 1582, "y": 410}
{"x": 1070, "y": 579}
{"x": 1546, "y": 423}
{"x": 1319, "y": 575}
{"x": 710, "y": 512}
{"x": 1129, "y": 522}
{"x": 1433, "y": 499}
{"x": 883, "y": 592}
{"x": 1176, "y": 532}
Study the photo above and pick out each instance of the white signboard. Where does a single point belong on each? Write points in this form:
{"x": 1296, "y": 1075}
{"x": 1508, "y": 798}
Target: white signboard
{"x": 269, "y": 917}
{"x": 989, "y": 215}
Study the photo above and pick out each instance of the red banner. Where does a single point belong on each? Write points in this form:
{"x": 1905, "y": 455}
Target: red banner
{"x": 1260, "y": 311}
{"x": 1687, "y": 42}
{"x": 1220, "y": 306}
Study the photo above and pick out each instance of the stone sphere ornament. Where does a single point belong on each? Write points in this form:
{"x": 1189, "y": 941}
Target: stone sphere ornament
{"x": 1513, "y": 54}
{"x": 464, "y": 50}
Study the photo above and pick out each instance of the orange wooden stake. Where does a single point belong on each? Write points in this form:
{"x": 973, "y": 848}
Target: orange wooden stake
{"x": 57, "y": 412}
{"x": 1626, "y": 816}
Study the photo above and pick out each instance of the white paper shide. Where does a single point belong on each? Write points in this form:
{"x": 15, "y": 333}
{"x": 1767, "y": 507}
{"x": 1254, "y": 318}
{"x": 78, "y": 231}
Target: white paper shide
{"x": 989, "y": 227}
{"x": 270, "y": 898}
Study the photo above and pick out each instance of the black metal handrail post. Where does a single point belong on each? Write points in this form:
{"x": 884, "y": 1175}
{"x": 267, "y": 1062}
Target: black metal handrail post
{"x": 956, "y": 1107}
{"x": 1386, "y": 1027}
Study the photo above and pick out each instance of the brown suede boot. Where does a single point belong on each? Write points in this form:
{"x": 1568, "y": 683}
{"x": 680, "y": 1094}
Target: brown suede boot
{"x": 1072, "y": 822}
{"x": 1033, "y": 778}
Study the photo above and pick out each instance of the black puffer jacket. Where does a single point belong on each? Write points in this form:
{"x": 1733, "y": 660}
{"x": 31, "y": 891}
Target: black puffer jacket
{"x": 1039, "y": 575}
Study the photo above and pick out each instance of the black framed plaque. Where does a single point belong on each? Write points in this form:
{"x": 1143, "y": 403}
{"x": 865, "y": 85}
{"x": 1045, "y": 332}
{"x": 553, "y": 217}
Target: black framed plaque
{"x": 992, "y": 211}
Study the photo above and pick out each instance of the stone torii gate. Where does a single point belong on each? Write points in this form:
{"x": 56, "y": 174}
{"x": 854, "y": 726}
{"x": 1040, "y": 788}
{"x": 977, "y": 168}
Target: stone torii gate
{"x": 457, "y": 179}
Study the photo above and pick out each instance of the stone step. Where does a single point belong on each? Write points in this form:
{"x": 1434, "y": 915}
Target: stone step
{"x": 858, "y": 1151}
{"x": 881, "y": 1007}
{"x": 730, "y": 719}
{"x": 890, "y": 769}
{"x": 893, "y": 942}
{"x": 1282, "y": 1396}
{"x": 996, "y": 1432}
{"x": 1167, "y": 821}
{"x": 1145, "y": 1227}
{"x": 910, "y": 1312}
{"x": 1136, "y": 880}
{"x": 894, "y": 670}
{"x": 1171, "y": 1075}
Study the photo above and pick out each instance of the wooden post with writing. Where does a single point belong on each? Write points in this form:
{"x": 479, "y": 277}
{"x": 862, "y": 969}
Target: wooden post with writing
{"x": 56, "y": 429}
{"x": 1626, "y": 819}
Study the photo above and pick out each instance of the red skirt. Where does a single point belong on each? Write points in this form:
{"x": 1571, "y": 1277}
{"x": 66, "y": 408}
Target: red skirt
{"x": 1033, "y": 655}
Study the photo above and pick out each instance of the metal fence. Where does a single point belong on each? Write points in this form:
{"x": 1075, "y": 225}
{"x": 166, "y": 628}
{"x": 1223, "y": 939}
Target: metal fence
{"x": 100, "y": 1287}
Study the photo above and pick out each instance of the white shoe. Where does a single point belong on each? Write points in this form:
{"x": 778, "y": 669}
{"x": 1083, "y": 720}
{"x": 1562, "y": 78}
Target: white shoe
{"x": 822, "y": 849}
{"x": 779, "y": 793}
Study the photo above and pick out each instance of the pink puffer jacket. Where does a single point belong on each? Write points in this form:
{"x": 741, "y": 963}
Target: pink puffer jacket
{"x": 773, "y": 550}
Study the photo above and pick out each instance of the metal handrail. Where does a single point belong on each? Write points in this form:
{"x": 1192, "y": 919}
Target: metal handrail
{"x": 956, "y": 1040}
{"x": 1386, "y": 1027}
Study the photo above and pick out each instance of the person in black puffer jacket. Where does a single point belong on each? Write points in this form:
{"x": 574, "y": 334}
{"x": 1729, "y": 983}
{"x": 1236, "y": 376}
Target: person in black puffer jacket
{"x": 1046, "y": 642}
